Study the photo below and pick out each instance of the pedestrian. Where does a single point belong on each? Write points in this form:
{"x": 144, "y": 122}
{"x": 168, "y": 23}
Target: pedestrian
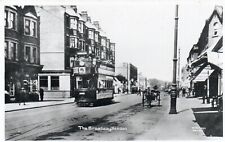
{"x": 183, "y": 92}
{"x": 41, "y": 94}
{"x": 139, "y": 92}
{"x": 22, "y": 96}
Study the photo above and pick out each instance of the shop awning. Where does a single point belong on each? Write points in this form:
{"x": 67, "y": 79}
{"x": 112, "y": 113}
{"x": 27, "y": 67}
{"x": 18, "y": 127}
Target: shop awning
{"x": 216, "y": 59}
{"x": 204, "y": 74}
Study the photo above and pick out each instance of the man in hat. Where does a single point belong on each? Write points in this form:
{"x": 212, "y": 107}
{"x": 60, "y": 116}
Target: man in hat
{"x": 22, "y": 96}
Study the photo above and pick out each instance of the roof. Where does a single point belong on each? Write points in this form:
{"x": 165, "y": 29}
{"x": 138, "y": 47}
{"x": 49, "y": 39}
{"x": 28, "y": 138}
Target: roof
{"x": 30, "y": 10}
{"x": 102, "y": 33}
{"x": 218, "y": 10}
{"x": 71, "y": 12}
{"x": 90, "y": 25}
{"x": 218, "y": 45}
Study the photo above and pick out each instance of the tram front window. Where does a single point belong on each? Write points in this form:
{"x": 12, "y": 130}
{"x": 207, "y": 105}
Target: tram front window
{"x": 84, "y": 82}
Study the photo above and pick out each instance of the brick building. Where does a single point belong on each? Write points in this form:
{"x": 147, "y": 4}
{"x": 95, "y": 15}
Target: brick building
{"x": 70, "y": 39}
{"x": 22, "y": 49}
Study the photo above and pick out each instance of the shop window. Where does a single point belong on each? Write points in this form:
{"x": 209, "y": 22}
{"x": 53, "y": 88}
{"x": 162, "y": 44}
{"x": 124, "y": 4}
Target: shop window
{"x": 54, "y": 82}
{"x": 10, "y": 19}
{"x": 44, "y": 81}
{"x": 30, "y": 27}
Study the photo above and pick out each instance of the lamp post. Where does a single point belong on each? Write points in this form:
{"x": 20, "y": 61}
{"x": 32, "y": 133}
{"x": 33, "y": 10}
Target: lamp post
{"x": 173, "y": 95}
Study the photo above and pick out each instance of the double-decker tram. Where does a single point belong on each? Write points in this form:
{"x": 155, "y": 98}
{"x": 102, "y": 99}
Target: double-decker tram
{"x": 92, "y": 82}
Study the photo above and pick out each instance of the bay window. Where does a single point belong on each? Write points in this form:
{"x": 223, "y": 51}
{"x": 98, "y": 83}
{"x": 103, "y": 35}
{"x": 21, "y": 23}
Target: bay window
{"x": 72, "y": 62}
{"x": 103, "y": 42}
{"x": 34, "y": 55}
{"x": 11, "y": 51}
{"x": 81, "y": 27}
{"x": 73, "y": 42}
{"x": 30, "y": 27}
{"x": 96, "y": 37}
{"x": 30, "y": 54}
{"x": 6, "y": 49}
{"x": 27, "y": 54}
{"x": 90, "y": 34}
{"x": 73, "y": 23}
{"x": 10, "y": 19}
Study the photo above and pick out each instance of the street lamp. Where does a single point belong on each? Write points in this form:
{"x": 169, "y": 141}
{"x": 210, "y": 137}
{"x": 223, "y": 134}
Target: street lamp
{"x": 173, "y": 95}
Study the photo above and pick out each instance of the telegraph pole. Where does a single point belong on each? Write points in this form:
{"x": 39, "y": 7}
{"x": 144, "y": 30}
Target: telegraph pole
{"x": 173, "y": 94}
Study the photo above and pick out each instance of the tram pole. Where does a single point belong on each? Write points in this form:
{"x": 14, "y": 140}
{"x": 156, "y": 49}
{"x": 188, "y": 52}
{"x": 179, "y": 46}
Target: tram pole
{"x": 174, "y": 85}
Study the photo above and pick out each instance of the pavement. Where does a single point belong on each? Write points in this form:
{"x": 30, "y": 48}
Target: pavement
{"x": 184, "y": 125}
{"x": 31, "y": 105}
{"x": 9, "y": 107}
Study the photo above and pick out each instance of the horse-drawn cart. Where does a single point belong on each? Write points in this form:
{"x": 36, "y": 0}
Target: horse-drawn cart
{"x": 150, "y": 96}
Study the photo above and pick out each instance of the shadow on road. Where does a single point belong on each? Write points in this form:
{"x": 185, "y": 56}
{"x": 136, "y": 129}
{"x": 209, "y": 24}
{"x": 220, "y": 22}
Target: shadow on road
{"x": 98, "y": 104}
{"x": 210, "y": 120}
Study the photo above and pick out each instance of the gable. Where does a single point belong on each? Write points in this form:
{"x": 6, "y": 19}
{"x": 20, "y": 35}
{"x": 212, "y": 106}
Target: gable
{"x": 29, "y": 14}
{"x": 30, "y": 10}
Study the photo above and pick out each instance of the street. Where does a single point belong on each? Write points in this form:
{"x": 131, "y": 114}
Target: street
{"x": 124, "y": 119}
{"x": 44, "y": 123}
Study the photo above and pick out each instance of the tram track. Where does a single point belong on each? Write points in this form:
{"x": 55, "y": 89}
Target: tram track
{"x": 62, "y": 121}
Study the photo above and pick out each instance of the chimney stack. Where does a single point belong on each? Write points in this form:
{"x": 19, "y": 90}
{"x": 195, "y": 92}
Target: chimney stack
{"x": 89, "y": 19}
{"x": 84, "y": 15}
{"x": 96, "y": 23}
{"x": 74, "y": 7}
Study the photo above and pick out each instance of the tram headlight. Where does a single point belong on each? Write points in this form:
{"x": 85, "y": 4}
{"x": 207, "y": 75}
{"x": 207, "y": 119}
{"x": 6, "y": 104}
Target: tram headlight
{"x": 81, "y": 63}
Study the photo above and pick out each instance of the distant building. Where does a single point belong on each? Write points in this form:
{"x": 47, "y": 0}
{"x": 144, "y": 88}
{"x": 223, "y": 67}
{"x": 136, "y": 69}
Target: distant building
{"x": 22, "y": 49}
{"x": 142, "y": 82}
{"x": 130, "y": 72}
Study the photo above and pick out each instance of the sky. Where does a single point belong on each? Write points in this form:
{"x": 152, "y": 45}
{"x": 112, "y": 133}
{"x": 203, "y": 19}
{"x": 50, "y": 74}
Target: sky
{"x": 144, "y": 31}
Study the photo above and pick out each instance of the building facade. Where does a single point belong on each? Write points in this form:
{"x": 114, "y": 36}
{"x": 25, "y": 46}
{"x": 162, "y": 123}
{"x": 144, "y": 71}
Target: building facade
{"x": 70, "y": 44}
{"x": 205, "y": 63}
{"x": 22, "y": 49}
{"x": 130, "y": 72}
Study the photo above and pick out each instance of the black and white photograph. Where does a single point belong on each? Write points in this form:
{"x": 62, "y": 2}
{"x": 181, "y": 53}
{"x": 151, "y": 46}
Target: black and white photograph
{"x": 104, "y": 70}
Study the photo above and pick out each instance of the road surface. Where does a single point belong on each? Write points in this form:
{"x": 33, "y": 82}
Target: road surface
{"x": 49, "y": 123}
